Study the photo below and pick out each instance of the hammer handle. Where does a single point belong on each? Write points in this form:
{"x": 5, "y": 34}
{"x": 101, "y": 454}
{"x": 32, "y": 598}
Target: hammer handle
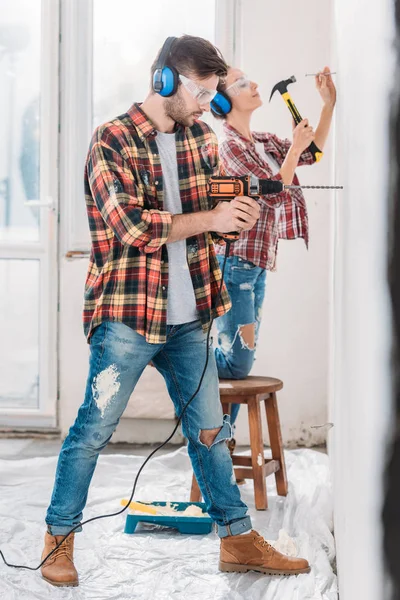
{"x": 313, "y": 148}
{"x": 315, "y": 151}
{"x": 297, "y": 118}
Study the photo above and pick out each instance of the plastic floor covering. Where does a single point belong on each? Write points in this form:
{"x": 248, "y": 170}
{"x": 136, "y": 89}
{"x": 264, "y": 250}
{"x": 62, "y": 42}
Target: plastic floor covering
{"x": 156, "y": 563}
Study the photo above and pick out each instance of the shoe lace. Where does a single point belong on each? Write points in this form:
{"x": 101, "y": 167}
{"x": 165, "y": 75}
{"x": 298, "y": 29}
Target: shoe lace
{"x": 264, "y": 544}
{"x": 64, "y": 550}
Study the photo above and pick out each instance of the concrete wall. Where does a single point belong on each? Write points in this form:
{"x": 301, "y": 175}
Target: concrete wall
{"x": 361, "y": 403}
{"x": 277, "y": 40}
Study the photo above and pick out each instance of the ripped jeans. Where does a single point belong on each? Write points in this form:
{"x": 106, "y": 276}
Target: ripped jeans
{"x": 118, "y": 356}
{"x": 246, "y": 286}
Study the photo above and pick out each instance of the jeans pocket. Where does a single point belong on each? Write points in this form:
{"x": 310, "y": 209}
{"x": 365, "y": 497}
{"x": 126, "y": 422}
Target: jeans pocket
{"x": 242, "y": 264}
{"x": 99, "y": 334}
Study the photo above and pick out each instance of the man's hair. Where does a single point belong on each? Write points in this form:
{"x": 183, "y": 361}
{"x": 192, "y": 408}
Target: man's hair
{"x": 194, "y": 55}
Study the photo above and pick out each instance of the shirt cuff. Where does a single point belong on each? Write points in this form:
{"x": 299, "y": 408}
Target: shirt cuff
{"x": 160, "y": 224}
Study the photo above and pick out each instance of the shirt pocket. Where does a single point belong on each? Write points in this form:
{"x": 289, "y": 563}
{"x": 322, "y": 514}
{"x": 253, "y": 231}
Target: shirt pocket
{"x": 207, "y": 167}
{"x": 208, "y": 160}
{"x": 147, "y": 186}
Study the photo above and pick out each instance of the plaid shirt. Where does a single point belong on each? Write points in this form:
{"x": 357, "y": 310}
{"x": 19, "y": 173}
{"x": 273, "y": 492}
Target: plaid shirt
{"x": 240, "y": 157}
{"x": 127, "y": 280}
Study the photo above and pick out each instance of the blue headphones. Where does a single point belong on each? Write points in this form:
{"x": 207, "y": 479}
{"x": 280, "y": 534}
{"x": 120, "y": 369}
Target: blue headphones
{"x": 166, "y": 80}
{"x": 221, "y": 104}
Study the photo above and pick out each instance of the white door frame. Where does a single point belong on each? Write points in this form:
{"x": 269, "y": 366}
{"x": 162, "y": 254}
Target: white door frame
{"x": 45, "y": 250}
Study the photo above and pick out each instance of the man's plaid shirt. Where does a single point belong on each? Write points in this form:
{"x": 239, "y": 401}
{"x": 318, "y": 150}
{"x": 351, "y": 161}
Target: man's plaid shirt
{"x": 240, "y": 157}
{"x": 127, "y": 280}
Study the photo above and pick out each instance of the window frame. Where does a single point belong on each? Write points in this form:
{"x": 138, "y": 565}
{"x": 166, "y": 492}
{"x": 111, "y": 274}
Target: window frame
{"x": 77, "y": 106}
{"x": 45, "y": 249}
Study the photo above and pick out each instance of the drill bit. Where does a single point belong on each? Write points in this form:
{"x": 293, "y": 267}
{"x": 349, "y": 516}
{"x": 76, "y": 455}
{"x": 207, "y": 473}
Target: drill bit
{"x": 313, "y": 187}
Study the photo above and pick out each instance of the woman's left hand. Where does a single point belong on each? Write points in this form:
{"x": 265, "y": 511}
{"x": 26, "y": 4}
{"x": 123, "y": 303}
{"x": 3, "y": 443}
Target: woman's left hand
{"x": 326, "y": 87}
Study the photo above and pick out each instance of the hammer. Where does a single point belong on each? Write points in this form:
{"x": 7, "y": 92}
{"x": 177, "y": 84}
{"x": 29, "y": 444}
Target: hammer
{"x": 281, "y": 86}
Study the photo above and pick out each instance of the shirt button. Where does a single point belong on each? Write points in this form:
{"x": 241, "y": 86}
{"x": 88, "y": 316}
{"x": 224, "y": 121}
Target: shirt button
{"x": 156, "y": 182}
{"x": 164, "y": 288}
{"x": 162, "y": 262}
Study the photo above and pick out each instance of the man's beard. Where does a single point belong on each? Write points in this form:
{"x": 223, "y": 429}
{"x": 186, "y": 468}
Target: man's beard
{"x": 176, "y": 110}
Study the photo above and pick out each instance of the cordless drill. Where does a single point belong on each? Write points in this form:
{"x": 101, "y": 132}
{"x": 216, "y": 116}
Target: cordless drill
{"x": 225, "y": 189}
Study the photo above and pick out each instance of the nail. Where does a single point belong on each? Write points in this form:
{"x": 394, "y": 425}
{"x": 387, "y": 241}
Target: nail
{"x": 315, "y": 74}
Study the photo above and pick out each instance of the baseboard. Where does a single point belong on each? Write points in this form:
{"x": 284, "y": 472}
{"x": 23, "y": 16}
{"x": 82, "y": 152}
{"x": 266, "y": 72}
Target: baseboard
{"x": 146, "y": 431}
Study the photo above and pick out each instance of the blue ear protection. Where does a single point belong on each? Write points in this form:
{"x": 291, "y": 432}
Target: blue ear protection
{"x": 165, "y": 79}
{"x": 221, "y": 104}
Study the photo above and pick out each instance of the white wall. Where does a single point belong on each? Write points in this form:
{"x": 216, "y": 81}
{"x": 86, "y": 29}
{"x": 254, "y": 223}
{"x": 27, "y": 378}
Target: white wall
{"x": 361, "y": 395}
{"x": 276, "y": 40}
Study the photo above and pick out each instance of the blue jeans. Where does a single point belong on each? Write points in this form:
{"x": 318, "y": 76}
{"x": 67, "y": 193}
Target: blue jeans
{"x": 118, "y": 356}
{"x": 246, "y": 286}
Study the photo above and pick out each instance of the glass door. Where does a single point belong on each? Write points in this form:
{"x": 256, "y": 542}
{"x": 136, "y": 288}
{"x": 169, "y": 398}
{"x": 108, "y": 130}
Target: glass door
{"x": 29, "y": 41}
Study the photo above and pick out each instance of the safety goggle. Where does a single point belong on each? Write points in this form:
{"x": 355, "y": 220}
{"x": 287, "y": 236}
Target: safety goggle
{"x": 243, "y": 83}
{"x": 201, "y": 94}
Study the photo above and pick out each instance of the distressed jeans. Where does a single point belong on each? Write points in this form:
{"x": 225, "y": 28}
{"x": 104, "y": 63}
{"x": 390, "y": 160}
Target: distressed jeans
{"x": 118, "y": 356}
{"x": 246, "y": 286}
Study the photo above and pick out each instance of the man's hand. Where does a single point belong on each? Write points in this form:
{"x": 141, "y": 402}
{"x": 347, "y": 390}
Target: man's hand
{"x": 303, "y": 135}
{"x": 239, "y": 215}
{"x": 326, "y": 87}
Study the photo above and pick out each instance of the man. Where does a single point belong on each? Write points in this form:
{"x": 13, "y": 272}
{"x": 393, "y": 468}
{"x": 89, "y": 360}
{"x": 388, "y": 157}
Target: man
{"x": 151, "y": 291}
{"x": 282, "y": 216}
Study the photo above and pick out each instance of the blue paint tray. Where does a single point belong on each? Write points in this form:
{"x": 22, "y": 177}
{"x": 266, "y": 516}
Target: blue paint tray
{"x": 195, "y": 525}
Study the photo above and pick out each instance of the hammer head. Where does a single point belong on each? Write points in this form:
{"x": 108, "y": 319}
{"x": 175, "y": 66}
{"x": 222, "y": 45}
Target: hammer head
{"x": 281, "y": 86}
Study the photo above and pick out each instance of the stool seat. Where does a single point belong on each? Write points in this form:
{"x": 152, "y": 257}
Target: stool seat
{"x": 253, "y": 391}
{"x": 253, "y": 384}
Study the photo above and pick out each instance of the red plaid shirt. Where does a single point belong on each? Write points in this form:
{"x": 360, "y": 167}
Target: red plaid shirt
{"x": 240, "y": 157}
{"x": 127, "y": 280}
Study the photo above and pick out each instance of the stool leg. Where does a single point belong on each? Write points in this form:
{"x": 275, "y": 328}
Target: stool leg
{"x": 275, "y": 438}
{"x": 195, "y": 493}
{"x": 226, "y": 408}
{"x": 257, "y": 454}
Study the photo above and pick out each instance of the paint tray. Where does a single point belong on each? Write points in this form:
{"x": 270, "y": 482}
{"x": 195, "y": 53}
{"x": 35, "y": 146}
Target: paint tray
{"x": 195, "y": 525}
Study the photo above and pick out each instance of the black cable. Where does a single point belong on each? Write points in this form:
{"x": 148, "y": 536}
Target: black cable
{"x": 228, "y": 243}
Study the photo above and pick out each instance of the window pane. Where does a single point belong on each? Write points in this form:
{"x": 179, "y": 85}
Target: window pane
{"x": 126, "y": 41}
{"x": 19, "y": 327}
{"x": 20, "y": 33}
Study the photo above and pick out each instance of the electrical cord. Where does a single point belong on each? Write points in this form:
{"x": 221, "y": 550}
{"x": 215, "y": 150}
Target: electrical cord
{"x": 119, "y": 512}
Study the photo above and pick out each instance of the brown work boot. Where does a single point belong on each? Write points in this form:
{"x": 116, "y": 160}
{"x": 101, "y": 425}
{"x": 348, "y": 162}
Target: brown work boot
{"x": 59, "y": 569}
{"x": 231, "y": 447}
{"x": 250, "y": 552}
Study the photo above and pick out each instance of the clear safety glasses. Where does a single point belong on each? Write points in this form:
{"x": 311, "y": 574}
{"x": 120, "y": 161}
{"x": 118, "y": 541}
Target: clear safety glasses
{"x": 243, "y": 83}
{"x": 201, "y": 94}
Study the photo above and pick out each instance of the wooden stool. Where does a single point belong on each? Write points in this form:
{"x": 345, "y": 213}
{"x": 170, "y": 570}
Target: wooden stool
{"x": 252, "y": 391}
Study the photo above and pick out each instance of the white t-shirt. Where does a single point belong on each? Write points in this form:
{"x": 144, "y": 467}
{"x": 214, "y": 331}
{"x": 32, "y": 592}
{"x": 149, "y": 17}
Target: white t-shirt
{"x": 275, "y": 168}
{"x": 181, "y": 306}
{"x": 268, "y": 158}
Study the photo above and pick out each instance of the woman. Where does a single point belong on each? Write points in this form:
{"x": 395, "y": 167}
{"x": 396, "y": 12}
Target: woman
{"x": 283, "y": 215}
